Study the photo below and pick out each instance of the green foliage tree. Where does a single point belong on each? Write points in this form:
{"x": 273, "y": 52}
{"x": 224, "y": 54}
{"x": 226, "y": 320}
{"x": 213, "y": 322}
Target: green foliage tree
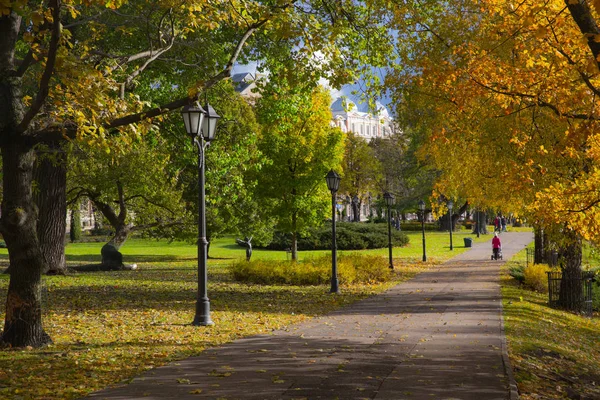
{"x": 362, "y": 172}
{"x": 130, "y": 195}
{"x": 300, "y": 147}
{"x": 83, "y": 72}
{"x": 233, "y": 161}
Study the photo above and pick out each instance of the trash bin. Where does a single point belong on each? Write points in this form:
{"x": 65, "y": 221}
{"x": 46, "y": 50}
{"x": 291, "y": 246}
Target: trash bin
{"x": 468, "y": 242}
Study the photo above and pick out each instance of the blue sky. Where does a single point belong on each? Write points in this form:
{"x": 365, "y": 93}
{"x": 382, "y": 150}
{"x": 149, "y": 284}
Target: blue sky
{"x": 344, "y": 91}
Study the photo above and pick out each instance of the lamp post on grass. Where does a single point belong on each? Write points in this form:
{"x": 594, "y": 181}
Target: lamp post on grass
{"x": 389, "y": 201}
{"x": 333, "y": 184}
{"x": 450, "y": 204}
{"x": 200, "y": 124}
{"x": 422, "y": 208}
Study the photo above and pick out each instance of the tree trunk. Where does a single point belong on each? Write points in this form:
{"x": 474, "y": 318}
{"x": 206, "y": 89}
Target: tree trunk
{"x": 445, "y": 222}
{"x": 18, "y": 224}
{"x": 51, "y": 199}
{"x": 479, "y": 222}
{"x": 356, "y": 211}
{"x": 538, "y": 255}
{"x": 112, "y": 259}
{"x": 294, "y": 247}
{"x": 294, "y": 237}
{"x": 571, "y": 288}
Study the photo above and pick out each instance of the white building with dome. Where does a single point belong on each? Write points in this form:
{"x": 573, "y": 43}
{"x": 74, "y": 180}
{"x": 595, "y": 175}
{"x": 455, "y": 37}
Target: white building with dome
{"x": 360, "y": 120}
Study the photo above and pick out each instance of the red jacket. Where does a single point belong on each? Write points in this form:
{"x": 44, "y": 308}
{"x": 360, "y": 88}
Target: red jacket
{"x": 496, "y": 242}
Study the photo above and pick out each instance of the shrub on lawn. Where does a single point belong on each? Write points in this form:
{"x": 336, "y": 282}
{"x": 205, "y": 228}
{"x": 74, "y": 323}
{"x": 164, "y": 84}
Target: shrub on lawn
{"x": 75, "y": 228}
{"x": 517, "y": 272}
{"x": 415, "y": 226}
{"x": 536, "y": 277}
{"x": 350, "y": 236}
{"x": 595, "y": 288}
{"x": 351, "y": 269}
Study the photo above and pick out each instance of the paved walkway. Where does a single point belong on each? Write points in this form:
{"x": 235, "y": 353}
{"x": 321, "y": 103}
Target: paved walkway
{"x": 437, "y": 336}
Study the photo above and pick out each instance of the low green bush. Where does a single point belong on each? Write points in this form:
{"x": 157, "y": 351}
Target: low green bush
{"x": 317, "y": 271}
{"x": 413, "y": 226}
{"x": 350, "y": 236}
{"x": 517, "y": 272}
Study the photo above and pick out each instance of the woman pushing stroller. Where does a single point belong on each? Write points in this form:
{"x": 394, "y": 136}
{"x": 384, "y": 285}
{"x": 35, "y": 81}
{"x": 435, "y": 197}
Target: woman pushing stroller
{"x": 496, "y": 247}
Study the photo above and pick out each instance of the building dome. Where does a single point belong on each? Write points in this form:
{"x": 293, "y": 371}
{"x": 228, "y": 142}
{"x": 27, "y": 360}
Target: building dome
{"x": 343, "y": 104}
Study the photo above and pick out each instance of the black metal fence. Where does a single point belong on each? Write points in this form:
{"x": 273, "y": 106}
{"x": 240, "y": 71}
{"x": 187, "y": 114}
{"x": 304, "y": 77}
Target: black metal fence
{"x": 530, "y": 257}
{"x": 573, "y": 293}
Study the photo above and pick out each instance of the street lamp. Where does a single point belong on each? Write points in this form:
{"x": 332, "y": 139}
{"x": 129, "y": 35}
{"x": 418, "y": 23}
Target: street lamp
{"x": 450, "y": 204}
{"x": 200, "y": 124}
{"x": 478, "y": 227}
{"x": 389, "y": 201}
{"x": 422, "y": 208}
{"x": 333, "y": 184}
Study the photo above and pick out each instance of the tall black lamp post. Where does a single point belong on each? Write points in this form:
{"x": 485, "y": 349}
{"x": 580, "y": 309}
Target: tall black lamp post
{"x": 422, "y": 208}
{"x": 333, "y": 184}
{"x": 200, "y": 124}
{"x": 478, "y": 227}
{"x": 389, "y": 201}
{"x": 450, "y": 204}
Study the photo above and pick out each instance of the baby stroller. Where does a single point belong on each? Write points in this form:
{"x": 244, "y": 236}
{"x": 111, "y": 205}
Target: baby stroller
{"x": 497, "y": 254}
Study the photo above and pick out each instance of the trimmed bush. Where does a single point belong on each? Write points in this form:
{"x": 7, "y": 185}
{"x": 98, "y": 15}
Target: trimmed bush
{"x": 351, "y": 269}
{"x": 75, "y": 230}
{"x": 535, "y": 276}
{"x": 413, "y": 226}
{"x": 350, "y": 236}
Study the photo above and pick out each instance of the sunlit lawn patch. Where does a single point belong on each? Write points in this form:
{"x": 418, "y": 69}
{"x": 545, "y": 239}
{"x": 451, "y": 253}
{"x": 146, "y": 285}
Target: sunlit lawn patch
{"x": 554, "y": 354}
{"x": 110, "y": 326}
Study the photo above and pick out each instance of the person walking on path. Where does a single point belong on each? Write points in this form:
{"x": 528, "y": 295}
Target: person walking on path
{"x": 436, "y": 336}
{"x": 496, "y": 246}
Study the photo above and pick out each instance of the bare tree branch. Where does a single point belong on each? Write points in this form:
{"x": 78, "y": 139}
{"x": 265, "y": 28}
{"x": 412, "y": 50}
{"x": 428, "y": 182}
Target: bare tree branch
{"x": 48, "y": 71}
{"x": 165, "y": 108}
{"x": 536, "y": 100}
{"x": 147, "y": 200}
{"x": 84, "y": 20}
{"x": 582, "y": 15}
{"x": 25, "y": 64}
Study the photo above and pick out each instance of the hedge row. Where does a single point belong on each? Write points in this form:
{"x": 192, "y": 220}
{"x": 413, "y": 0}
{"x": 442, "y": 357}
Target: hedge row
{"x": 350, "y": 236}
{"x": 351, "y": 269}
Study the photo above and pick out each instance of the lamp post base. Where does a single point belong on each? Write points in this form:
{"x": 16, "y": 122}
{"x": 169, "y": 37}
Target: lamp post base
{"x": 202, "y": 321}
{"x": 202, "y": 317}
{"x": 334, "y": 288}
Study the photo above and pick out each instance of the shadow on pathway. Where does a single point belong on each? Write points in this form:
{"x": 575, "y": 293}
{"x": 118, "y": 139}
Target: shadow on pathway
{"x": 437, "y": 336}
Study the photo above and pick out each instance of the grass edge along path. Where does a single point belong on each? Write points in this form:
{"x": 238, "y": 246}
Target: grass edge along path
{"x": 108, "y": 327}
{"x": 553, "y": 354}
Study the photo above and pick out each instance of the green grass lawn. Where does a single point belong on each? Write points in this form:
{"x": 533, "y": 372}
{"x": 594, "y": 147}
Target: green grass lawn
{"x": 554, "y": 354}
{"x": 111, "y": 326}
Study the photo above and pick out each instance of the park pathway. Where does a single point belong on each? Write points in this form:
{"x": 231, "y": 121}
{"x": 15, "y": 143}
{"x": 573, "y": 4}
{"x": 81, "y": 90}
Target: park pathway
{"x": 437, "y": 336}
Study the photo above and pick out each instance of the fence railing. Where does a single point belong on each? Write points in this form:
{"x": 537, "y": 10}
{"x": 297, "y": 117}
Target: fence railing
{"x": 530, "y": 257}
{"x": 572, "y": 292}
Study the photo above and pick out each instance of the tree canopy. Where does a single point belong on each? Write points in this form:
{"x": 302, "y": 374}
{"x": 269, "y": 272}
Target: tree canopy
{"x": 509, "y": 94}
{"x": 94, "y": 70}
{"x": 300, "y": 146}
